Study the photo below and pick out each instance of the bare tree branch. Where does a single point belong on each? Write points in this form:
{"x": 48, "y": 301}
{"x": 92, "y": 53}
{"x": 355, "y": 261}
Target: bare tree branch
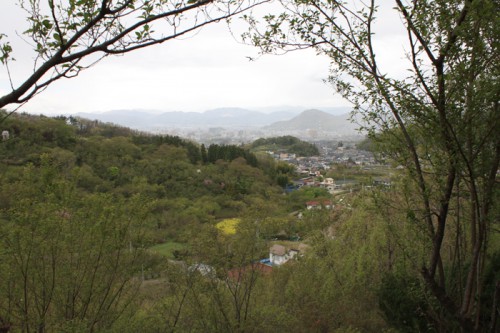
{"x": 71, "y": 34}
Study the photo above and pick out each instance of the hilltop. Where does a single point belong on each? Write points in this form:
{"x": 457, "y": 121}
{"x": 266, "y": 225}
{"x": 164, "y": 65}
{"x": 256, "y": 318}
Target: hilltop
{"x": 285, "y": 144}
{"x": 315, "y": 120}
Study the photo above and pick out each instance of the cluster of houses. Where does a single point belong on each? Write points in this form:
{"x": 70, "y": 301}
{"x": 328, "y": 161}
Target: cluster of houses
{"x": 282, "y": 156}
{"x": 317, "y": 181}
{"x": 345, "y": 154}
{"x": 328, "y": 156}
{"x": 329, "y": 184}
{"x": 278, "y": 255}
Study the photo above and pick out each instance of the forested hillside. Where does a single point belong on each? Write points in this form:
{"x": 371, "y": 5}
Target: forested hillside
{"x": 285, "y": 144}
{"x": 81, "y": 202}
{"x": 104, "y": 229}
{"x": 88, "y": 209}
{"x": 99, "y": 158}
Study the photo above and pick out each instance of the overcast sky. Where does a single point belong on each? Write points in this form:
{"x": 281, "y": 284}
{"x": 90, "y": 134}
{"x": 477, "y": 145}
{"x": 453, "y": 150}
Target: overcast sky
{"x": 206, "y": 71}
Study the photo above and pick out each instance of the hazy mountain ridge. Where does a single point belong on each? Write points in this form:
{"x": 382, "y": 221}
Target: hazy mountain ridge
{"x": 223, "y": 117}
{"x": 316, "y": 120}
{"x": 237, "y": 118}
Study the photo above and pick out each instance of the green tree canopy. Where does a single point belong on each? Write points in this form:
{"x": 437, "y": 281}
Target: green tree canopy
{"x": 288, "y": 144}
{"x": 441, "y": 118}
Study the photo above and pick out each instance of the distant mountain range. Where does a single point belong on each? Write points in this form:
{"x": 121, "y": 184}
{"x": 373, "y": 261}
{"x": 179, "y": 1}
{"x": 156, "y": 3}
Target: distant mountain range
{"x": 222, "y": 117}
{"x": 279, "y": 121}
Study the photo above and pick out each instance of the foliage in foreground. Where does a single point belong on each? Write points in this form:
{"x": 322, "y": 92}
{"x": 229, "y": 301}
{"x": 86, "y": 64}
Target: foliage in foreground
{"x": 439, "y": 122}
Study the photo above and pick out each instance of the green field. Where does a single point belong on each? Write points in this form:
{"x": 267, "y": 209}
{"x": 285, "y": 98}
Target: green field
{"x": 167, "y": 249}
